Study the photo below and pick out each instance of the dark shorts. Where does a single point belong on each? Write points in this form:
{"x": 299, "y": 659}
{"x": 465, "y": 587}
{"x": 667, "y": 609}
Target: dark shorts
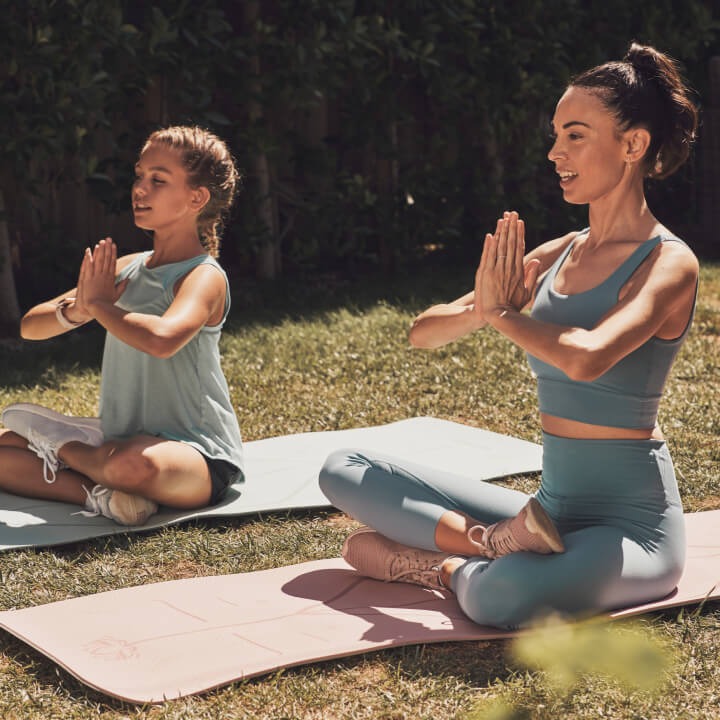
{"x": 222, "y": 475}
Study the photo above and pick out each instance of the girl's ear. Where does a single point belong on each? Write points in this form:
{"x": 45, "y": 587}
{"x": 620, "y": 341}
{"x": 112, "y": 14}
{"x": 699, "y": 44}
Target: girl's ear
{"x": 199, "y": 198}
{"x": 637, "y": 142}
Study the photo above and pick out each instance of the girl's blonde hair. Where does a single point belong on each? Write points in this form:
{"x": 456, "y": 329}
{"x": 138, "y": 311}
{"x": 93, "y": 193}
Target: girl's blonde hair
{"x": 208, "y": 162}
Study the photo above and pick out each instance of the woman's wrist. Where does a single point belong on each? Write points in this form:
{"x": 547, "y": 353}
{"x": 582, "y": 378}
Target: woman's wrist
{"x": 497, "y": 314}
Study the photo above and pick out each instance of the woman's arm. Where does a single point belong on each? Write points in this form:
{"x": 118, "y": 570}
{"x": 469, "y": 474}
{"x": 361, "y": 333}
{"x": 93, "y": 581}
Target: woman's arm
{"x": 659, "y": 296}
{"x": 441, "y": 324}
{"x": 199, "y": 301}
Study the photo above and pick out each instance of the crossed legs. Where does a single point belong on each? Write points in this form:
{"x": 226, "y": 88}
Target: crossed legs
{"x": 393, "y": 497}
{"x": 606, "y": 564}
{"x": 170, "y": 473}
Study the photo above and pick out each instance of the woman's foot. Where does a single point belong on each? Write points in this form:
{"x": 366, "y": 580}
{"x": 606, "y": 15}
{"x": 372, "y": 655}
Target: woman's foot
{"x": 532, "y": 530}
{"x": 378, "y": 557}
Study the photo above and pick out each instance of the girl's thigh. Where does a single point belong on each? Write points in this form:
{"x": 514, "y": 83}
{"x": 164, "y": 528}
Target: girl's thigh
{"x": 170, "y": 472}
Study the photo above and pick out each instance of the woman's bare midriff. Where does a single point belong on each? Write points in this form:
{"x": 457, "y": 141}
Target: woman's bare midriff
{"x": 584, "y": 431}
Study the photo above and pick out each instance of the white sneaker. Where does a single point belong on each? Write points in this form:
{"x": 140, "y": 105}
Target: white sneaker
{"x": 47, "y": 431}
{"x": 122, "y": 507}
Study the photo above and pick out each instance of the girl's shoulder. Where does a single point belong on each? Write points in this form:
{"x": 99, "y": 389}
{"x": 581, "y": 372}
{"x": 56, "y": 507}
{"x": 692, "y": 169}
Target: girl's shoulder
{"x": 125, "y": 261}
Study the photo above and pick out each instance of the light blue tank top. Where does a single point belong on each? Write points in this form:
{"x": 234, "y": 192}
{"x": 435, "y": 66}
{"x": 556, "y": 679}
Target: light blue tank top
{"x": 184, "y": 397}
{"x": 628, "y": 394}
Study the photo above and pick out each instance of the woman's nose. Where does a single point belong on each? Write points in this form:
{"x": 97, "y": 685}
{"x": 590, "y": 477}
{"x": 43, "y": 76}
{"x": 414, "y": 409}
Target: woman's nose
{"x": 555, "y": 152}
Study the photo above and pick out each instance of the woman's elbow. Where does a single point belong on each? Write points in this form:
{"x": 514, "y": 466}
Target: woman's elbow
{"x": 586, "y": 364}
{"x": 416, "y": 337}
{"x": 419, "y": 338}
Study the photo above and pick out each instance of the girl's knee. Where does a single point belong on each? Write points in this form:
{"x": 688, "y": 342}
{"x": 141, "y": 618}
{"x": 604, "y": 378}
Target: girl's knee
{"x": 128, "y": 469}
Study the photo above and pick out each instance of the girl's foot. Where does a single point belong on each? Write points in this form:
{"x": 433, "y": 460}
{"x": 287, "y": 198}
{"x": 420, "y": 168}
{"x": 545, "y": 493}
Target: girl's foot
{"x": 122, "y": 507}
{"x": 47, "y": 431}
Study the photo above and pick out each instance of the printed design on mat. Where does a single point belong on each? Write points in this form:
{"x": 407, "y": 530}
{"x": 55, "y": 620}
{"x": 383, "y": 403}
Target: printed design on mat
{"x": 111, "y": 648}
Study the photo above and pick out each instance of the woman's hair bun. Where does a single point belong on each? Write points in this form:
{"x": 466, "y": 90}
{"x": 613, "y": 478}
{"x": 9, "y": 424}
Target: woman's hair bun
{"x": 646, "y": 89}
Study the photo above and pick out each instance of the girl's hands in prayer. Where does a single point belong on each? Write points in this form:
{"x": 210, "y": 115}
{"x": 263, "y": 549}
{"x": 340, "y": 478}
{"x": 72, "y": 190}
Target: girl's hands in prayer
{"x": 96, "y": 283}
{"x": 502, "y": 281}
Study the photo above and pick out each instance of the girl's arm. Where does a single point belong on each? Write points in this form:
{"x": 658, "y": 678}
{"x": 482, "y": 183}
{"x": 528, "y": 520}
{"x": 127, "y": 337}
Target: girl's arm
{"x": 199, "y": 301}
{"x": 441, "y": 324}
{"x": 59, "y": 315}
{"x": 658, "y": 301}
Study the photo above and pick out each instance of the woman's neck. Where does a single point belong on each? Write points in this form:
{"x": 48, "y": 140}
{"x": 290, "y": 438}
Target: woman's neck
{"x": 622, "y": 217}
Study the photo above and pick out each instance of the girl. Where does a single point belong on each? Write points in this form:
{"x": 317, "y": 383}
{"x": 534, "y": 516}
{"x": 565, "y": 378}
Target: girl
{"x": 167, "y": 432}
{"x": 609, "y": 315}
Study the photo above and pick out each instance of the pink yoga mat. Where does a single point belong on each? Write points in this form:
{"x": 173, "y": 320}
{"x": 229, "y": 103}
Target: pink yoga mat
{"x": 167, "y": 640}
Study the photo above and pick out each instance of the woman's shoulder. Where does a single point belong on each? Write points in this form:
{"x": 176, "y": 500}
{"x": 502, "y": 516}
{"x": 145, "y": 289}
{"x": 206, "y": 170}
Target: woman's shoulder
{"x": 677, "y": 257}
{"x": 548, "y": 252}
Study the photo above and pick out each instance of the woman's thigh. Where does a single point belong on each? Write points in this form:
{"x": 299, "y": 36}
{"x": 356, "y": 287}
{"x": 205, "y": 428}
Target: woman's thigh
{"x": 405, "y": 501}
{"x": 602, "y": 568}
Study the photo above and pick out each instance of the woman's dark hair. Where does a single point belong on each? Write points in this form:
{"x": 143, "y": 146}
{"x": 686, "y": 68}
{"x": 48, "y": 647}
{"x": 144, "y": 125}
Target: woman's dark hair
{"x": 209, "y": 164}
{"x": 646, "y": 89}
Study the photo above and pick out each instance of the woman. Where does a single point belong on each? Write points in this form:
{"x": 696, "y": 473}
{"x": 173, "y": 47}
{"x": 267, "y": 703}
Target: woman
{"x": 609, "y": 314}
{"x": 168, "y": 433}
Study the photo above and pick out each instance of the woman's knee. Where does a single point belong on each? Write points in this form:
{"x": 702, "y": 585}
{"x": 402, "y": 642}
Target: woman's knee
{"x": 336, "y": 475}
{"x": 501, "y": 598}
{"x": 494, "y": 604}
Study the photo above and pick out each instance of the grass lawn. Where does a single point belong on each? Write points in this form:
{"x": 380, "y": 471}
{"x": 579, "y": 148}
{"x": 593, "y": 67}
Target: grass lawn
{"x": 328, "y": 355}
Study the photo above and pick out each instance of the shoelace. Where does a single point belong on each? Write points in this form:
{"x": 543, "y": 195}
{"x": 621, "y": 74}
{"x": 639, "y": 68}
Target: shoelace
{"x": 429, "y": 577}
{"x": 47, "y": 452}
{"x": 93, "y": 500}
{"x": 500, "y": 540}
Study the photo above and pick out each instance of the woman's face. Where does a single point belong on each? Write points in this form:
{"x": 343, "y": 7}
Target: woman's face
{"x": 589, "y": 149}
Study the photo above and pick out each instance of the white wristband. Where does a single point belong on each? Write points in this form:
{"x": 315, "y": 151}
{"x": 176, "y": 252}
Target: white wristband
{"x": 60, "y": 315}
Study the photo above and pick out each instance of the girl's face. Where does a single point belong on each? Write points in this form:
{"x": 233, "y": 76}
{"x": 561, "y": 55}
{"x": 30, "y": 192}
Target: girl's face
{"x": 161, "y": 196}
{"x": 589, "y": 149}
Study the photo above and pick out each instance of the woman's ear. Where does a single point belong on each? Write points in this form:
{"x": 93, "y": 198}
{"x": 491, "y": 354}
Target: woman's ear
{"x": 199, "y": 198}
{"x": 637, "y": 142}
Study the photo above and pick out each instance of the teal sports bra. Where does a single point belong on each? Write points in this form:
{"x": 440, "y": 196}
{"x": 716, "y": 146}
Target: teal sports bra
{"x": 628, "y": 394}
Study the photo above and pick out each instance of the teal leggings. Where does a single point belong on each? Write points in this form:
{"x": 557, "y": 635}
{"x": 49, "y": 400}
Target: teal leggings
{"x": 615, "y": 503}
